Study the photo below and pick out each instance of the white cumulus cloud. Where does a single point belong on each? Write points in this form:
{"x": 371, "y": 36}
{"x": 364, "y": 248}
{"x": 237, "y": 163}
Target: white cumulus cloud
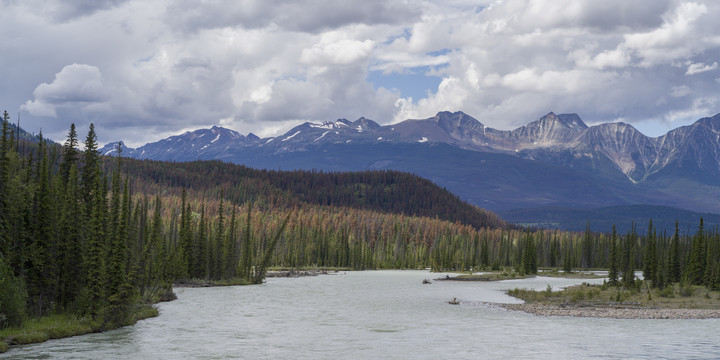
{"x": 143, "y": 70}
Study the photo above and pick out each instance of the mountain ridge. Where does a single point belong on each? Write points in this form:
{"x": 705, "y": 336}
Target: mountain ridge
{"x": 680, "y": 168}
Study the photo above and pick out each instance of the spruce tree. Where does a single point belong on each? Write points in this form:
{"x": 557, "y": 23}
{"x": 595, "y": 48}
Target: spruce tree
{"x": 711, "y": 255}
{"x": 201, "y": 248}
{"x": 696, "y": 262}
{"x": 185, "y": 236}
{"x": 70, "y": 154}
{"x": 217, "y": 257}
{"x": 628, "y": 259}
{"x": 231, "y": 248}
{"x": 42, "y": 273}
{"x": 117, "y": 239}
{"x": 90, "y": 171}
{"x": 71, "y": 245}
{"x": 613, "y": 271}
{"x": 485, "y": 253}
{"x": 96, "y": 278}
{"x": 529, "y": 257}
{"x": 650, "y": 256}
{"x": 4, "y": 191}
{"x": 673, "y": 262}
{"x": 246, "y": 263}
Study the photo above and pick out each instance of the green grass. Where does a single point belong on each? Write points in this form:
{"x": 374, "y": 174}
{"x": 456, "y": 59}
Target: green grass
{"x": 57, "y": 326}
{"x": 208, "y": 283}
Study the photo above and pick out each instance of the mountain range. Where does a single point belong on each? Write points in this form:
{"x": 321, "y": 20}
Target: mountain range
{"x": 555, "y": 161}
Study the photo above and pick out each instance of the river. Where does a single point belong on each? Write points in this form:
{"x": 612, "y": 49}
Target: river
{"x": 374, "y": 315}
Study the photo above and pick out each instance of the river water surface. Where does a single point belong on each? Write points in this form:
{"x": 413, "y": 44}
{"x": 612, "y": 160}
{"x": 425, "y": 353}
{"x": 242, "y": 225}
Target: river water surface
{"x": 378, "y": 315}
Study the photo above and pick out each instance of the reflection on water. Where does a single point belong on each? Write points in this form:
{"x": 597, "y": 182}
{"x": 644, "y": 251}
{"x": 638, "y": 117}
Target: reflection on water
{"x": 378, "y": 314}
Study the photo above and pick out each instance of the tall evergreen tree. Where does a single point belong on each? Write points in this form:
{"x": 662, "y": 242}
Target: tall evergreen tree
{"x": 529, "y": 257}
{"x": 587, "y": 248}
{"x": 96, "y": 271}
{"x": 201, "y": 262}
{"x": 231, "y": 248}
{"x": 70, "y": 154}
{"x": 185, "y": 236}
{"x": 71, "y": 245}
{"x": 91, "y": 167}
{"x": 613, "y": 261}
{"x": 216, "y": 256}
{"x": 42, "y": 272}
{"x": 246, "y": 263}
{"x": 628, "y": 259}
{"x": 4, "y": 180}
{"x": 696, "y": 262}
{"x": 650, "y": 256}
{"x": 673, "y": 263}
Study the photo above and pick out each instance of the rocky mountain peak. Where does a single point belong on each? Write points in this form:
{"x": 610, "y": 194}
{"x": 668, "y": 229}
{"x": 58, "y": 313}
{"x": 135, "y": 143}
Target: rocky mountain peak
{"x": 457, "y": 121}
{"x": 569, "y": 121}
{"x": 365, "y": 124}
{"x": 550, "y": 130}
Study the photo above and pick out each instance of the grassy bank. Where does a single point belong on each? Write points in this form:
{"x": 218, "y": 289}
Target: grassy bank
{"x": 677, "y": 296}
{"x": 209, "y": 283}
{"x": 512, "y": 274}
{"x": 59, "y": 326}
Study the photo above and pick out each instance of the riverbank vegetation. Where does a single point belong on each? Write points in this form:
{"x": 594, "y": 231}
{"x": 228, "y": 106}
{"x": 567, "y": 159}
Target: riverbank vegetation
{"x": 676, "y": 296}
{"x": 510, "y": 274}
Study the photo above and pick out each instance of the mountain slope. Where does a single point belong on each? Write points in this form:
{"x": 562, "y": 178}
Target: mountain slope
{"x": 556, "y": 160}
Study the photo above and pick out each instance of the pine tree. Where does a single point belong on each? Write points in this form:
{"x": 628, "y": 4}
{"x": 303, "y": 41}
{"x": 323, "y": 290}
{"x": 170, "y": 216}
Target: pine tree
{"x": 4, "y": 191}
{"x": 568, "y": 259}
{"x": 231, "y": 248}
{"x": 201, "y": 248}
{"x": 485, "y": 253}
{"x": 185, "y": 236}
{"x": 696, "y": 262}
{"x": 628, "y": 259}
{"x": 71, "y": 246}
{"x": 96, "y": 278}
{"x": 661, "y": 278}
{"x": 673, "y": 263}
{"x": 42, "y": 273}
{"x": 70, "y": 154}
{"x": 613, "y": 272}
{"x": 587, "y": 248}
{"x": 246, "y": 263}
{"x": 650, "y": 256}
{"x": 217, "y": 243}
{"x": 711, "y": 255}
{"x": 529, "y": 257}
{"x": 117, "y": 239}
{"x": 90, "y": 171}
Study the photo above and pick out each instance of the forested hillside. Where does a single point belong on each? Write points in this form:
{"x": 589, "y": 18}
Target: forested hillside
{"x": 385, "y": 191}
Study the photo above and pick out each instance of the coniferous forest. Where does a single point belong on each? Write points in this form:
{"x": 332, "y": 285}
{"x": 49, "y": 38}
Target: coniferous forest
{"x": 100, "y": 237}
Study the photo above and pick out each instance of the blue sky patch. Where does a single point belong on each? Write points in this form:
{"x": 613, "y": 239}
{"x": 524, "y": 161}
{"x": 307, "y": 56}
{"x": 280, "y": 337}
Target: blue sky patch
{"x": 412, "y": 83}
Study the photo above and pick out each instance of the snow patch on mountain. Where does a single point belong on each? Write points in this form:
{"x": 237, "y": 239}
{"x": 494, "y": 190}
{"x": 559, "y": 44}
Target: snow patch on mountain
{"x": 291, "y": 136}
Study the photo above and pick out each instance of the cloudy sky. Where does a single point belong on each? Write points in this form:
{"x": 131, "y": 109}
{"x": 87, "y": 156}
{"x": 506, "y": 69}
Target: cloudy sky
{"x": 144, "y": 70}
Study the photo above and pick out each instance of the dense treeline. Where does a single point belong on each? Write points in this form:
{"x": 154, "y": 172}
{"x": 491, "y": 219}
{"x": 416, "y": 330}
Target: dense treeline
{"x": 98, "y": 236}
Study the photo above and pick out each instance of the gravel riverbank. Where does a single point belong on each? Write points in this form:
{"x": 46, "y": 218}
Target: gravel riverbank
{"x": 612, "y": 312}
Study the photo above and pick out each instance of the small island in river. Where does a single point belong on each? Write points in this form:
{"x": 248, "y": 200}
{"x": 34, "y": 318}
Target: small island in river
{"x": 678, "y": 301}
